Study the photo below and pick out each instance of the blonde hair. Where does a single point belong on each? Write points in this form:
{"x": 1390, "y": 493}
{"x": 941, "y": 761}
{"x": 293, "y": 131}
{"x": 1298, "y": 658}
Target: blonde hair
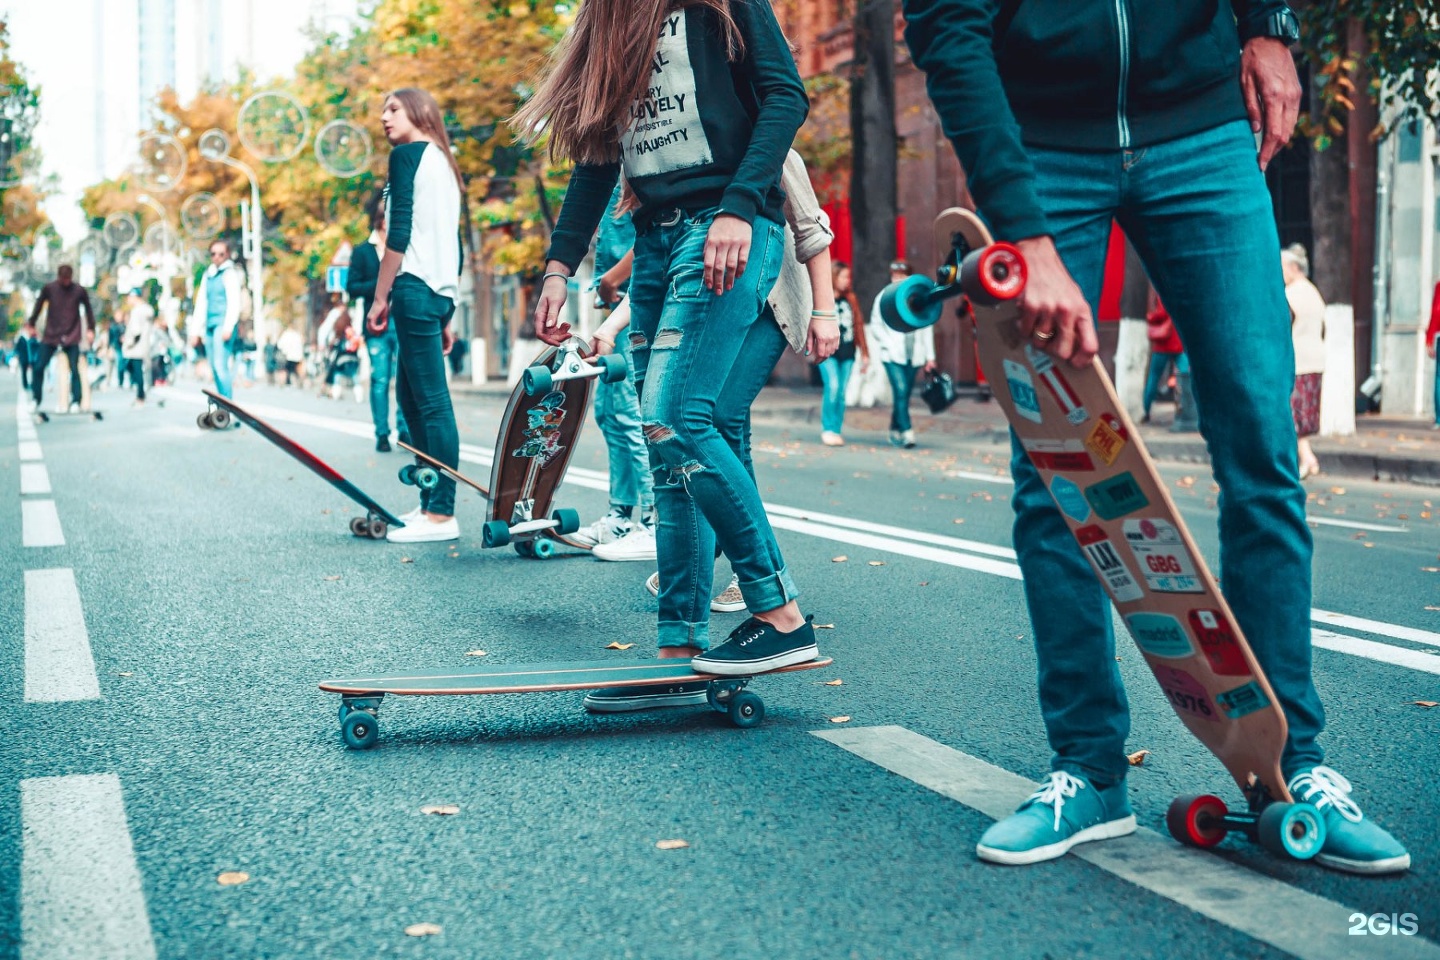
{"x": 1295, "y": 253}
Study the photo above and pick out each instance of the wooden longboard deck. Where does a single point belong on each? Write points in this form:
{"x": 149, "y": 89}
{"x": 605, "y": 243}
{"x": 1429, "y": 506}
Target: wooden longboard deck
{"x": 1093, "y": 461}
{"x": 317, "y": 466}
{"x": 539, "y": 677}
{"x": 450, "y": 472}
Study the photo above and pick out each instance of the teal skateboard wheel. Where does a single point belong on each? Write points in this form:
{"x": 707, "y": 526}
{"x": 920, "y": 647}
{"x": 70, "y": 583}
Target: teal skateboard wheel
{"x": 1294, "y": 829}
{"x": 746, "y": 709}
{"x": 902, "y": 308}
{"x": 537, "y": 380}
{"x": 360, "y": 730}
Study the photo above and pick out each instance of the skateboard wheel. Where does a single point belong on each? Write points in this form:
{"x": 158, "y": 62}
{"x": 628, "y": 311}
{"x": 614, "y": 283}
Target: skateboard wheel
{"x": 567, "y": 521}
{"x": 359, "y": 527}
{"x": 1294, "y": 829}
{"x": 746, "y": 710}
{"x": 427, "y": 478}
{"x": 537, "y": 380}
{"x": 407, "y": 474}
{"x": 903, "y": 309}
{"x": 542, "y": 549}
{"x": 613, "y": 368}
{"x": 377, "y": 529}
{"x": 202, "y": 421}
{"x": 220, "y": 419}
{"x": 526, "y": 549}
{"x": 496, "y": 533}
{"x": 994, "y": 274}
{"x": 1197, "y": 821}
{"x": 360, "y": 730}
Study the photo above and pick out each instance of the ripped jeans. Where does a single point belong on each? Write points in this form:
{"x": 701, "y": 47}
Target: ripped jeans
{"x": 699, "y": 362}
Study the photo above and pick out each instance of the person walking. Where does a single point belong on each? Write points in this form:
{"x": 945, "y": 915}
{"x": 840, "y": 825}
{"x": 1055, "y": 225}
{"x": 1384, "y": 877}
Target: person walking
{"x": 215, "y": 322}
{"x": 699, "y": 104}
{"x": 26, "y": 347}
{"x": 835, "y": 369}
{"x": 1165, "y": 353}
{"x": 419, "y": 281}
{"x": 383, "y": 347}
{"x": 1307, "y": 332}
{"x": 63, "y": 300}
{"x": 1432, "y": 332}
{"x": 291, "y": 346}
{"x": 1146, "y": 114}
{"x": 904, "y": 355}
{"x": 135, "y": 344}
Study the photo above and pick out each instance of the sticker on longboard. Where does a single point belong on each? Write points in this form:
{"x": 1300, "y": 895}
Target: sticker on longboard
{"x": 1186, "y": 694}
{"x": 542, "y": 430}
{"x": 1067, "y": 494}
{"x": 1242, "y": 701}
{"x": 1106, "y": 560}
{"x": 1160, "y": 635}
{"x": 1059, "y": 387}
{"x": 1219, "y": 643}
{"x": 1060, "y": 455}
{"x": 1022, "y": 391}
{"x": 1161, "y": 555}
{"x": 1116, "y": 496}
{"x": 1107, "y": 438}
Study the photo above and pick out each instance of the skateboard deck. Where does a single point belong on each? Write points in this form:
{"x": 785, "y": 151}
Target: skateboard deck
{"x": 361, "y": 698}
{"x": 1095, "y": 465}
{"x": 377, "y": 521}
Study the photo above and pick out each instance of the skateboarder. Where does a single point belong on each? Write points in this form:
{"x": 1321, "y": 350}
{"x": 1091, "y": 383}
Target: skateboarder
{"x": 419, "y": 279}
{"x": 720, "y": 79}
{"x": 65, "y": 299}
{"x": 1147, "y": 114}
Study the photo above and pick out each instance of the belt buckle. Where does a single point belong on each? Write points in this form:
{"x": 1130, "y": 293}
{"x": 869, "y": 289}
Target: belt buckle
{"x": 676, "y": 215}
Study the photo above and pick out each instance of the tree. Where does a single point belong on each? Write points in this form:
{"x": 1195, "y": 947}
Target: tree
{"x": 873, "y": 190}
{"x": 21, "y": 218}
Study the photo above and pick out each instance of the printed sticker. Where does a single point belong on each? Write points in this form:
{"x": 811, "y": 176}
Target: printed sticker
{"x": 1059, "y": 387}
{"x": 1070, "y": 499}
{"x": 1242, "y": 701}
{"x": 1159, "y": 635}
{"x": 1022, "y": 391}
{"x": 1219, "y": 643}
{"x": 1116, "y": 496}
{"x": 1186, "y": 693}
{"x": 1107, "y": 438}
{"x": 666, "y": 131}
{"x": 1106, "y": 560}
{"x": 1161, "y": 555}
{"x": 1058, "y": 454}
{"x": 542, "y": 429}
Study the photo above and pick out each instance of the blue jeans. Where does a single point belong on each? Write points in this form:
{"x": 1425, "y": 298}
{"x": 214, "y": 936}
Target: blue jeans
{"x": 418, "y": 315}
{"x": 617, "y": 411}
{"x": 221, "y": 354}
{"x": 902, "y": 381}
{"x": 1199, "y": 215}
{"x": 834, "y": 374}
{"x": 384, "y": 352}
{"x": 700, "y": 361}
{"x": 1160, "y": 367}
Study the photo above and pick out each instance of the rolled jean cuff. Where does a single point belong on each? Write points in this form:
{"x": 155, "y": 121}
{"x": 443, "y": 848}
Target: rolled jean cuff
{"x": 769, "y": 593}
{"x": 678, "y": 633}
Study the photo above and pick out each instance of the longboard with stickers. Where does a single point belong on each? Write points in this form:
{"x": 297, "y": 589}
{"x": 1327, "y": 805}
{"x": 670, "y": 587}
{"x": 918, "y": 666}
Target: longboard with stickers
{"x": 1095, "y": 465}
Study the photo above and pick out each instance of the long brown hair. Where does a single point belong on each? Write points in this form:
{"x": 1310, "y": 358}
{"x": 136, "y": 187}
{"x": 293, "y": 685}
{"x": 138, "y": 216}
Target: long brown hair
{"x": 600, "y": 70}
{"x": 424, "y": 113}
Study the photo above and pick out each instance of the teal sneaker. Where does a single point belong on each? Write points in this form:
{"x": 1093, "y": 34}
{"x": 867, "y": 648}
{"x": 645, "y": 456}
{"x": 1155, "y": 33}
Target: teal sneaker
{"x": 1066, "y": 810}
{"x": 1352, "y": 843}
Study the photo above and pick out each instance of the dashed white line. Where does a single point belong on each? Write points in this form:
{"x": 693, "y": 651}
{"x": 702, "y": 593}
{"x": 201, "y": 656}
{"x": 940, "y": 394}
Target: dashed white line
{"x": 983, "y": 477}
{"x": 40, "y": 524}
{"x": 1354, "y": 525}
{"x": 30, "y": 450}
{"x": 58, "y": 662}
{"x": 1413, "y": 634}
{"x": 34, "y": 478}
{"x": 1372, "y": 650}
{"x": 80, "y": 891}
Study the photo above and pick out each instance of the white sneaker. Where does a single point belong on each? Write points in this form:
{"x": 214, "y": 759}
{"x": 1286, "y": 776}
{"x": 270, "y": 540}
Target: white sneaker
{"x": 907, "y": 439}
{"x": 652, "y": 583}
{"x": 424, "y": 530}
{"x": 638, "y": 544}
{"x": 730, "y": 599}
{"x": 412, "y": 516}
{"x": 831, "y": 439}
{"x": 607, "y": 529}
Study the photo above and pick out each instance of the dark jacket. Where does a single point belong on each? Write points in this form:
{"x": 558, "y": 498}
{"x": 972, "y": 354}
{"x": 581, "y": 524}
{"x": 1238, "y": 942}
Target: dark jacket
{"x": 1075, "y": 75}
{"x": 62, "y": 323}
{"x": 364, "y": 274}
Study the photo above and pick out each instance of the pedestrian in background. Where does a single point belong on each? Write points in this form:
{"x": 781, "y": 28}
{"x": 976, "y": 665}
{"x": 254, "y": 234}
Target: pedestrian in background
{"x": 419, "y": 279}
{"x": 25, "y": 349}
{"x": 292, "y": 354}
{"x": 383, "y": 347}
{"x": 114, "y": 356}
{"x": 1431, "y": 333}
{"x": 835, "y": 369}
{"x": 1165, "y": 352}
{"x": 1307, "y": 332}
{"x": 215, "y": 323}
{"x": 63, "y": 299}
{"x": 163, "y": 347}
{"x": 904, "y": 355}
{"x": 135, "y": 341}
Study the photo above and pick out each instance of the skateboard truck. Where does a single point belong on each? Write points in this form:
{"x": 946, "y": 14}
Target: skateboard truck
{"x": 571, "y": 364}
{"x": 987, "y": 276}
{"x": 523, "y": 528}
{"x": 1293, "y": 829}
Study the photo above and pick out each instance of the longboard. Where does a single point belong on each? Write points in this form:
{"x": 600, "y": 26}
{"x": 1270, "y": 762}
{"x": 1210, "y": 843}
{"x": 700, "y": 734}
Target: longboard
{"x": 360, "y": 698}
{"x": 377, "y": 521}
{"x": 1095, "y": 465}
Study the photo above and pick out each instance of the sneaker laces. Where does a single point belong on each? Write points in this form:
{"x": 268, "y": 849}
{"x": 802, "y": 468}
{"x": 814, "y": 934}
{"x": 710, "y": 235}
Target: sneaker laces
{"x": 1321, "y": 787}
{"x": 1060, "y": 787}
{"x": 751, "y": 628}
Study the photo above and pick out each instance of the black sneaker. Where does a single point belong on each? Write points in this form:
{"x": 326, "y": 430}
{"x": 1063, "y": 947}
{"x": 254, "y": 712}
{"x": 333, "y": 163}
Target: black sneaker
{"x": 382, "y": 444}
{"x": 625, "y": 699}
{"x": 755, "y": 647}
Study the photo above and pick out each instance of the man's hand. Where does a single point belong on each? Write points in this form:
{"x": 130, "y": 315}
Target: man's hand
{"x": 1272, "y": 93}
{"x": 727, "y": 251}
{"x": 1053, "y": 311}
{"x": 548, "y": 326}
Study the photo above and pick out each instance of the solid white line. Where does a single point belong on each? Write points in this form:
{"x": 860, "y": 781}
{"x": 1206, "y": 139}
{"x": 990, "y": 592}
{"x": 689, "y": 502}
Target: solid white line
{"x": 1371, "y": 650}
{"x": 34, "y": 478}
{"x": 30, "y": 450}
{"x": 974, "y": 546}
{"x": 976, "y": 475}
{"x": 1355, "y": 525}
{"x": 1413, "y": 634}
{"x": 58, "y": 664}
{"x": 915, "y": 550}
{"x": 80, "y": 891}
{"x": 40, "y": 524}
{"x": 1299, "y": 923}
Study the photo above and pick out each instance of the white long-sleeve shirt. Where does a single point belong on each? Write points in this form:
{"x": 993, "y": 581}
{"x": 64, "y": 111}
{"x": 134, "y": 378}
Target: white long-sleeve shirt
{"x": 891, "y": 346}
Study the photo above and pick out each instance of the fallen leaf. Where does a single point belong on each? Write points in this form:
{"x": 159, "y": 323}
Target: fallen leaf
{"x": 1427, "y": 608}
{"x": 618, "y": 646}
{"x": 840, "y": 559}
{"x": 474, "y": 653}
{"x": 131, "y": 673}
{"x": 1430, "y": 569}
{"x": 824, "y": 626}
{"x": 423, "y": 930}
{"x": 1361, "y": 535}
{"x": 1402, "y": 516}
{"x": 839, "y": 719}
{"x": 877, "y": 563}
{"x": 1186, "y": 482}
{"x": 1367, "y": 544}
{"x": 831, "y": 683}
{"x": 441, "y": 810}
{"x": 332, "y": 579}
{"x": 1427, "y": 704}
{"x": 924, "y": 583}
{"x": 672, "y": 845}
{"x": 1338, "y": 491}
{"x": 406, "y": 560}
{"x": 959, "y": 520}
{"x": 232, "y": 878}
{"x": 1138, "y": 757}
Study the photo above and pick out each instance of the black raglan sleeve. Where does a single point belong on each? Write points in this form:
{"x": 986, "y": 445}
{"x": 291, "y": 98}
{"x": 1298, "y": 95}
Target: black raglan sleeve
{"x": 404, "y": 163}
{"x": 585, "y": 201}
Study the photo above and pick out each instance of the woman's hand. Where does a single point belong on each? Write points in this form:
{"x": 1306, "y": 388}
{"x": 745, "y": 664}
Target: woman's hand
{"x": 929, "y": 368}
{"x": 548, "y": 325}
{"x": 727, "y": 251}
{"x": 823, "y": 339}
{"x": 377, "y": 319}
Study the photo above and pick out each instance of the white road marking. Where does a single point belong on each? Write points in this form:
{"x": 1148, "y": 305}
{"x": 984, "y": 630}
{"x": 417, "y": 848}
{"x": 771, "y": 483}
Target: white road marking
{"x": 1371, "y": 650}
{"x": 80, "y": 891}
{"x": 1275, "y": 913}
{"x": 58, "y": 663}
{"x": 984, "y": 477}
{"x": 34, "y": 478}
{"x": 1355, "y": 525}
{"x": 1413, "y": 634}
{"x": 40, "y": 524}
{"x": 30, "y": 450}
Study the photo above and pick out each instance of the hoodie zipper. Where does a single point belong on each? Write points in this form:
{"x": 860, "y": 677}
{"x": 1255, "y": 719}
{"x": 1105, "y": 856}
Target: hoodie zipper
{"x": 1122, "y": 22}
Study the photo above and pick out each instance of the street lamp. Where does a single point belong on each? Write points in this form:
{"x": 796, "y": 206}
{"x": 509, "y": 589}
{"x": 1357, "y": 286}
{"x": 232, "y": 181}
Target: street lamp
{"x": 214, "y": 145}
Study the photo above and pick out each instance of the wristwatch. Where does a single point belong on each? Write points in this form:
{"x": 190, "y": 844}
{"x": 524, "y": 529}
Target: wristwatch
{"x": 1281, "y": 25}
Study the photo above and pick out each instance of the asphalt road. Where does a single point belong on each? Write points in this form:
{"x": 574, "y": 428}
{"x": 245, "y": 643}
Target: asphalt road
{"x": 212, "y": 582}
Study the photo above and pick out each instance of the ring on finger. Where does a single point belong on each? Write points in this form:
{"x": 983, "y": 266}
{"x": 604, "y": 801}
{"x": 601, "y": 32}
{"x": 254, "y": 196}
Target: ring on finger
{"x": 1043, "y": 335}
